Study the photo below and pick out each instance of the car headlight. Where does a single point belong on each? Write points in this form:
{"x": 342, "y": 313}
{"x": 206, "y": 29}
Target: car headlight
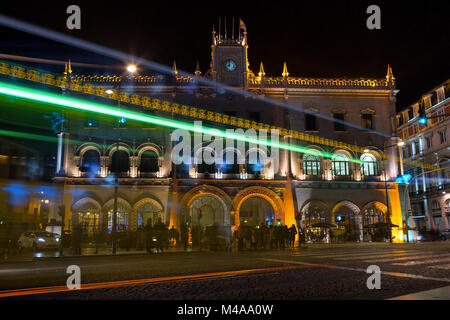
{"x": 41, "y": 239}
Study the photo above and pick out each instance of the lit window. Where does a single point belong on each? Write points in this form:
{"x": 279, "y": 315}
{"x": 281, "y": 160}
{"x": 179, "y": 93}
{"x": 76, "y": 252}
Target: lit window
{"x": 367, "y": 120}
{"x": 311, "y": 165}
{"x": 339, "y": 165}
{"x": 369, "y": 165}
{"x": 91, "y": 122}
{"x": 339, "y": 126}
{"x": 122, "y": 122}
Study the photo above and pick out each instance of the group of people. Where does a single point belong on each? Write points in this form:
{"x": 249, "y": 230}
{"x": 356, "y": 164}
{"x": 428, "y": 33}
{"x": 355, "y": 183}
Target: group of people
{"x": 265, "y": 236}
{"x": 158, "y": 237}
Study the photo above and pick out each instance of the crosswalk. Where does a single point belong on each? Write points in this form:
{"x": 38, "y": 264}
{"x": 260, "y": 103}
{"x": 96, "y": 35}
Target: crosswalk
{"x": 405, "y": 258}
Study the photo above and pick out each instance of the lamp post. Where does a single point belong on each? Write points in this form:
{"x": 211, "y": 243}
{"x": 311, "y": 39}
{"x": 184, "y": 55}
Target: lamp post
{"x": 400, "y": 144}
{"x": 131, "y": 69}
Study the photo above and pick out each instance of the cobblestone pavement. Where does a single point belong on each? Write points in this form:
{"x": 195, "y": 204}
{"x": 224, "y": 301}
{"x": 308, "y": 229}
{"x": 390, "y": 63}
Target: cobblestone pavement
{"x": 313, "y": 272}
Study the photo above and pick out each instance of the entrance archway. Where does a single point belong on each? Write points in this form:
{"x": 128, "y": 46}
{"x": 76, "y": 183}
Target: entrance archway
{"x": 346, "y": 215}
{"x": 374, "y": 216}
{"x": 215, "y": 206}
{"x": 256, "y": 210}
{"x": 259, "y": 192}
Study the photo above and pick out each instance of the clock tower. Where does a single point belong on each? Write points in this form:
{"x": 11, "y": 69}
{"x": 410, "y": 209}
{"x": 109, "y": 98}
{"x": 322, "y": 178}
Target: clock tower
{"x": 229, "y": 64}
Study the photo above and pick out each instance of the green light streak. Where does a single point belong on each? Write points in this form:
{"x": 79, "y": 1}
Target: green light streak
{"x": 79, "y": 104}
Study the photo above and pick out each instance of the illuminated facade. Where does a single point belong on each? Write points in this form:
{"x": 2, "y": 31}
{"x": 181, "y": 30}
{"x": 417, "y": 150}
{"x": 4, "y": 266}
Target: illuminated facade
{"x": 341, "y": 180}
{"x": 429, "y": 189}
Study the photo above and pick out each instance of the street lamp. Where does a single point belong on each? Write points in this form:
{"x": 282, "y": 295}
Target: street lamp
{"x": 131, "y": 69}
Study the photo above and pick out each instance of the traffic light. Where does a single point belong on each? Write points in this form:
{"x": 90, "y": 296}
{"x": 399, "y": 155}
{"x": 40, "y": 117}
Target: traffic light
{"x": 278, "y": 222}
{"x": 422, "y": 116}
{"x": 199, "y": 213}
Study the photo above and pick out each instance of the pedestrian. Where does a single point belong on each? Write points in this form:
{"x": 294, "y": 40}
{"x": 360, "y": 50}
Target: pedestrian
{"x": 292, "y": 234}
{"x": 149, "y": 235}
{"x": 184, "y": 236}
{"x": 158, "y": 229}
{"x": 253, "y": 238}
{"x": 240, "y": 235}
{"x": 76, "y": 239}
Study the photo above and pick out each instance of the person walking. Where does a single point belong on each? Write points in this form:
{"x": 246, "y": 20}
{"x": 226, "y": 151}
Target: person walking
{"x": 292, "y": 233}
{"x": 149, "y": 236}
{"x": 184, "y": 236}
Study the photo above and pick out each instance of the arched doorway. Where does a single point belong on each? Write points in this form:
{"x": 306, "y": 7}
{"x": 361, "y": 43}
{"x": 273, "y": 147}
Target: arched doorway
{"x": 122, "y": 217}
{"x": 86, "y": 214}
{"x": 271, "y": 200}
{"x": 207, "y": 211}
{"x": 375, "y": 222}
{"x": 316, "y": 221}
{"x": 348, "y": 222}
{"x": 256, "y": 210}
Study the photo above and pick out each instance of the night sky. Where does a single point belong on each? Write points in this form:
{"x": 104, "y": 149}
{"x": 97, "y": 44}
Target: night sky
{"x": 316, "y": 38}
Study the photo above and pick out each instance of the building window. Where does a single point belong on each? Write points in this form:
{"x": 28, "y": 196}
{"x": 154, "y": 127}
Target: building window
{"x": 429, "y": 142}
{"x": 90, "y": 163}
{"x": 310, "y": 122}
{"x": 339, "y": 165}
{"x": 416, "y": 147}
{"x": 442, "y": 137}
{"x": 416, "y": 128}
{"x": 311, "y": 165}
{"x": 122, "y": 122}
{"x": 410, "y": 113}
{"x": 369, "y": 165}
{"x": 338, "y": 126}
{"x": 367, "y": 120}
{"x": 441, "y": 116}
{"x": 91, "y": 122}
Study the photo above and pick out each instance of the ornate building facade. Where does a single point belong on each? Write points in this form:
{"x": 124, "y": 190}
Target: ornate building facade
{"x": 346, "y": 178}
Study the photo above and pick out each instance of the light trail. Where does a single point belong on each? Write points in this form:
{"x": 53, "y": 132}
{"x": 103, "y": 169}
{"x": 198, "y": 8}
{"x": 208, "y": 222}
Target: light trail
{"x": 158, "y": 280}
{"x": 53, "y": 61}
{"x": 79, "y": 104}
{"x": 105, "y": 51}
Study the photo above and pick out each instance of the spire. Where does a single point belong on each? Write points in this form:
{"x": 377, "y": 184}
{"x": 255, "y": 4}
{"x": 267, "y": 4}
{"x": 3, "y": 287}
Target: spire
{"x": 390, "y": 74}
{"x": 261, "y": 70}
{"x": 226, "y": 28}
{"x": 197, "y": 69}
{"x": 69, "y": 68}
{"x": 175, "y": 72}
{"x": 65, "y": 69}
{"x": 285, "y": 71}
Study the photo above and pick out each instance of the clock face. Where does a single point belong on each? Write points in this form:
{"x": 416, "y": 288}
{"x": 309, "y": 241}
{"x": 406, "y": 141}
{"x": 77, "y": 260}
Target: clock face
{"x": 230, "y": 65}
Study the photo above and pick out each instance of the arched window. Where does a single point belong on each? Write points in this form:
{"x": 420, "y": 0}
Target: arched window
{"x": 257, "y": 164}
{"x": 120, "y": 162}
{"x": 339, "y": 165}
{"x": 149, "y": 162}
{"x": 203, "y": 167}
{"x": 311, "y": 165}
{"x": 230, "y": 168}
{"x": 90, "y": 164}
{"x": 369, "y": 165}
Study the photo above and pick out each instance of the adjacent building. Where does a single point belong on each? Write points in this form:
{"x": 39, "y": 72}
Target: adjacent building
{"x": 428, "y": 144}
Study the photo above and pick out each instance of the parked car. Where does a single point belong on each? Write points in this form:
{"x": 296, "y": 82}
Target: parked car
{"x": 434, "y": 235}
{"x": 38, "y": 240}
